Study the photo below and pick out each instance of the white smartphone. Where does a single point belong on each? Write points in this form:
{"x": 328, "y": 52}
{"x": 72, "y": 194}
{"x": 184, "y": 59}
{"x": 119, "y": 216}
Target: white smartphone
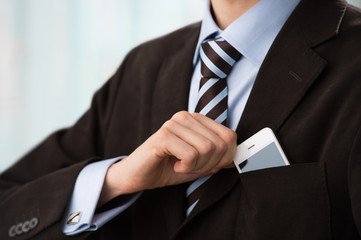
{"x": 262, "y": 150}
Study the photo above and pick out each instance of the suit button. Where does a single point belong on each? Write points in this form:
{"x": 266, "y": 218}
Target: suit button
{"x": 33, "y": 223}
{"x": 12, "y": 232}
{"x": 18, "y": 228}
{"x": 26, "y": 227}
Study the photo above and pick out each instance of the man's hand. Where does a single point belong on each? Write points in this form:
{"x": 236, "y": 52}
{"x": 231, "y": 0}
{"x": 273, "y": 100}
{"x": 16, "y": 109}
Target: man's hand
{"x": 186, "y": 147}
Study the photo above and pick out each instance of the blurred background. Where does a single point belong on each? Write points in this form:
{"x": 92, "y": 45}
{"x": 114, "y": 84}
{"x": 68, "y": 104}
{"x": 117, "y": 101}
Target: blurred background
{"x": 55, "y": 54}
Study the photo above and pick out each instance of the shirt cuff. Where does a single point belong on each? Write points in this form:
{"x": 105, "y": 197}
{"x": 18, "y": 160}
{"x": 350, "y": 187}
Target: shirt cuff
{"x": 80, "y": 215}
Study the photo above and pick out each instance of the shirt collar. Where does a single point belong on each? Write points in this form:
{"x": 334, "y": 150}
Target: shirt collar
{"x": 253, "y": 33}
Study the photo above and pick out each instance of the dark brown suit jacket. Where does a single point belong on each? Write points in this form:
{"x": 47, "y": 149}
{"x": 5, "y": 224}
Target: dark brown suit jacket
{"x": 308, "y": 91}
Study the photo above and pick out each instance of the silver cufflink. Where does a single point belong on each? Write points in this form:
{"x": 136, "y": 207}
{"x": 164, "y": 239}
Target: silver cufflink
{"x": 74, "y": 218}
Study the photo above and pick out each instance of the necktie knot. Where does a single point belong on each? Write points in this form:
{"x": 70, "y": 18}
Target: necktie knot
{"x": 217, "y": 58}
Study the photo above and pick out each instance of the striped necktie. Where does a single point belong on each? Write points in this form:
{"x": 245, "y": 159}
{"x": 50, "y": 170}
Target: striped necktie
{"x": 217, "y": 59}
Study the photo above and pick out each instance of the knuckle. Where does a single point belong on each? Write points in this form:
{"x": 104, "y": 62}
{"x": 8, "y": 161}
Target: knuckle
{"x": 190, "y": 158}
{"x": 181, "y": 116}
{"x": 169, "y": 125}
{"x": 196, "y": 115}
{"x": 190, "y": 155}
{"x": 207, "y": 146}
{"x": 230, "y": 136}
{"x": 165, "y": 132}
{"x": 222, "y": 146}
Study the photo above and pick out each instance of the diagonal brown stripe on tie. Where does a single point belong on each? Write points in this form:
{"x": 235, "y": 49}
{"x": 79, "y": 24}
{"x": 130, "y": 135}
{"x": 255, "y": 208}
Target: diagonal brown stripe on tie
{"x": 210, "y": 94}
{"x": 216, "y": 111}
{"x": 202, "y": 82}
{"x": 231, "y": 51}
{"x": 216, "y": 59}
{"x": 206, "y": 72}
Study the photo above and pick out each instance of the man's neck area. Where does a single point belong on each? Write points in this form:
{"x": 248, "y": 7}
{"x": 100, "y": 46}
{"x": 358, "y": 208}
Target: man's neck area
{"x": 227, "y": 11}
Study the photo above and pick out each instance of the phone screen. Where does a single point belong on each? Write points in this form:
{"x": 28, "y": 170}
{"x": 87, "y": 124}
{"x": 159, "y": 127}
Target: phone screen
{"x": 267, "y": 157}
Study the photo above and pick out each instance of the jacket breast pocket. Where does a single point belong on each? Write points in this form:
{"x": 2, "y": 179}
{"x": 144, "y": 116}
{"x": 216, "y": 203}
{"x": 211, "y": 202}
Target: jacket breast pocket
{"x": 288, "y": 202}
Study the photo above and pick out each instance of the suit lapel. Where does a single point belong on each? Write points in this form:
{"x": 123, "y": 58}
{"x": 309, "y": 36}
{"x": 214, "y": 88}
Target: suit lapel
{"x": 172, "y": 86}
{"x": 215, "y": 189}
{"x": 288, "y": 71}
{"x": 291, "y": 66}
{"x": 174, "y": 206}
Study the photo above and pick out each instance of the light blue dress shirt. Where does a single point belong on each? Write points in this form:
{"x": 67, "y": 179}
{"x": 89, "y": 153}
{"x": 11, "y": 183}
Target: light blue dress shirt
{"x": 252, "y": 35}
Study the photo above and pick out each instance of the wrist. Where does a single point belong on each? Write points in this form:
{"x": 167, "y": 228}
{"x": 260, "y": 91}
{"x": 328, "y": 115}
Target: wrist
{"x": 114, "y": 185}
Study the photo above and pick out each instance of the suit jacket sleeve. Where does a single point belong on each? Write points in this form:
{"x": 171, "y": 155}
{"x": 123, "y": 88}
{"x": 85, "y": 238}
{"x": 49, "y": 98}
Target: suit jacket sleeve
{"x": 40, "y": 184}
